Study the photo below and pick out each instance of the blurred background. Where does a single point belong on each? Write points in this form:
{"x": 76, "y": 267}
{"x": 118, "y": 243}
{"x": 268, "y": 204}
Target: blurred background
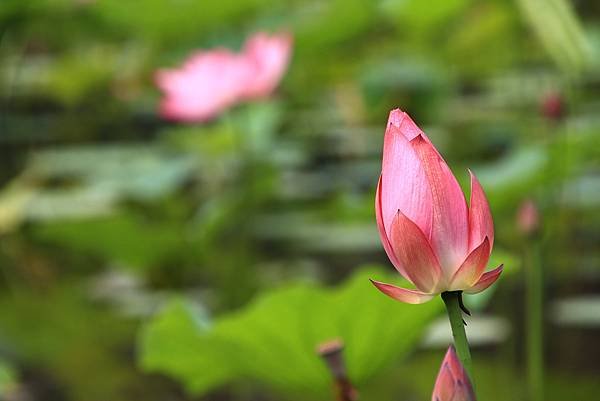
{"x": 143, "y": 258}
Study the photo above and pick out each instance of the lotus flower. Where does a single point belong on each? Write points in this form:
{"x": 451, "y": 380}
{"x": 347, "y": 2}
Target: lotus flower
{"x": 429, "y": 234}
{"x": 452, "y": 383}
{"x": 207, "y": 84}
{"x": 269, "y": 57}
{"x": 212, "y": 81}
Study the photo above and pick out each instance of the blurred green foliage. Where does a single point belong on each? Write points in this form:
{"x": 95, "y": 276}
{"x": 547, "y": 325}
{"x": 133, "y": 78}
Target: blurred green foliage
{"x": 143, "y": 259}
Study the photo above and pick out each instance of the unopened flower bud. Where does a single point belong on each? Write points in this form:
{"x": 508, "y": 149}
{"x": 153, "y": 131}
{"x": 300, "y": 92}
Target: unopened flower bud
{"x": 528, "y": 218}
{"x": 553, "y": 106}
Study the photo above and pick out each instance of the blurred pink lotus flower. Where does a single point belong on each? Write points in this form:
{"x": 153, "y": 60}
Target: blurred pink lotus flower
{"x": 429, "y": 234}
{"x": 269, "y": 57}
{"x": 452, "y": 383}
{"x": 209, "y": 82}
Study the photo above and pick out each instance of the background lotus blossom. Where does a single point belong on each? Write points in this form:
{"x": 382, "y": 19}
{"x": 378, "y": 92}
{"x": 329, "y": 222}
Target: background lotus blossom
{"x": 268, "y": 57}
{"x": 207, "y": 83}
{"x": 223, "y": 252}
{"x": 452, "y": 383}
{"x": 211, "y": 81}
{"x": 429, "y": 234}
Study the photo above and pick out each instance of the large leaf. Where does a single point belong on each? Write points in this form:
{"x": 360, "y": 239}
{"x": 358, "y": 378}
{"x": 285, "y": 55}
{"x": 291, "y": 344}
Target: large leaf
{"x": 273, "y": 339}
{"x": 192, "y": 352}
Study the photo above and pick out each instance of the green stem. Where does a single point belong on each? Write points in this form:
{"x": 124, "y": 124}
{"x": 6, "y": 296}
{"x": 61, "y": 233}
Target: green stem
{"x": 452, "y": 299}
{"x": 534, "y": 322}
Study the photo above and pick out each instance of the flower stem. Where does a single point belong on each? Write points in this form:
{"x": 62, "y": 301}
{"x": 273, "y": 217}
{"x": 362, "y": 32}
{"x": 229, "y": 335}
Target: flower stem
{"x": 332, "y": 354}
{"x": 534, "y": 322}
{"x": 452, "y": 299}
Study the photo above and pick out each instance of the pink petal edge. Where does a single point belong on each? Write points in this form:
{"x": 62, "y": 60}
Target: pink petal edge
{"x": 452, "y": 382}
{"x": 486, "y": 280}
{"x": 450, "y": 234}
{"x": 472, "y": 268}
{"x": 403, "y": 294}
{"x": 407, "y": 126}
{"x": 404, "y": 184}
{"x": 445, "y": 385}
{"x": 387, "y": 246}
{"x": 415, "y": 254}
{"x": 481, "y": 224}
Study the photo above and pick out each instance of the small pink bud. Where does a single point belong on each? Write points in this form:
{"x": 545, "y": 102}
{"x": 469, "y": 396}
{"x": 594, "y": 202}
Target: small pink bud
{"x": 528, "y": 218}
{"x": 553, "y": 106}
{"x": 452, "y": 383}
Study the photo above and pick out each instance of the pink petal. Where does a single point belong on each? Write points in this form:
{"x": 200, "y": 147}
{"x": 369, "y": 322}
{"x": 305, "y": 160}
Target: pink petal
{"x": 414, "y": 253}
{"x": 453, "y": 363}
{"x": 463, "y": 392}
{"x": 383, "y": 235}
{"x": 472, "y": 268}
{"x": 396, "y": 117}
{"x": 487, "y": 279}
{"x": 452, "y": 383}
{"x": 402, "y": 294}
{"x": 269, "y": 56}
{"x": 405, "y": 124}
{"x": 404, "y": 184}
{"x": 481, "y": 224}
{"x": 444, "y": 388}
{"x": 450, "y": 230}
{"x": 206, "y": 84}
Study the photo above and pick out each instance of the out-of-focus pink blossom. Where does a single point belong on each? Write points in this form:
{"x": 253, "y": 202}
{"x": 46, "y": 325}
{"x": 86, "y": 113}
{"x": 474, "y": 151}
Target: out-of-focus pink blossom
{"x": 553, "y": 106}
{"x": 452, "y": 383}
{"x": 209, "y": 82}
{"x": 269, "y": 57}
{"x": 429, "y": 233}
{"x": 528, "y": 217}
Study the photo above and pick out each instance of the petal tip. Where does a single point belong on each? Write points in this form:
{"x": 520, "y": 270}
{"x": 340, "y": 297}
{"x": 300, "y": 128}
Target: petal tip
{"x": 452, "y": 382}
{"x": 402, "y": 294}
{"x": 486, "y": 280}
{"x": 395, "y": 117}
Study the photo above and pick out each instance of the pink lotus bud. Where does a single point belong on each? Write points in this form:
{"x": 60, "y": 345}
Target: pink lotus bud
{"x": 429, "y": 234}
{"x": 269, "y": 57}
{"x": 528, "y": 217}
{"x": 452, "y": 383}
